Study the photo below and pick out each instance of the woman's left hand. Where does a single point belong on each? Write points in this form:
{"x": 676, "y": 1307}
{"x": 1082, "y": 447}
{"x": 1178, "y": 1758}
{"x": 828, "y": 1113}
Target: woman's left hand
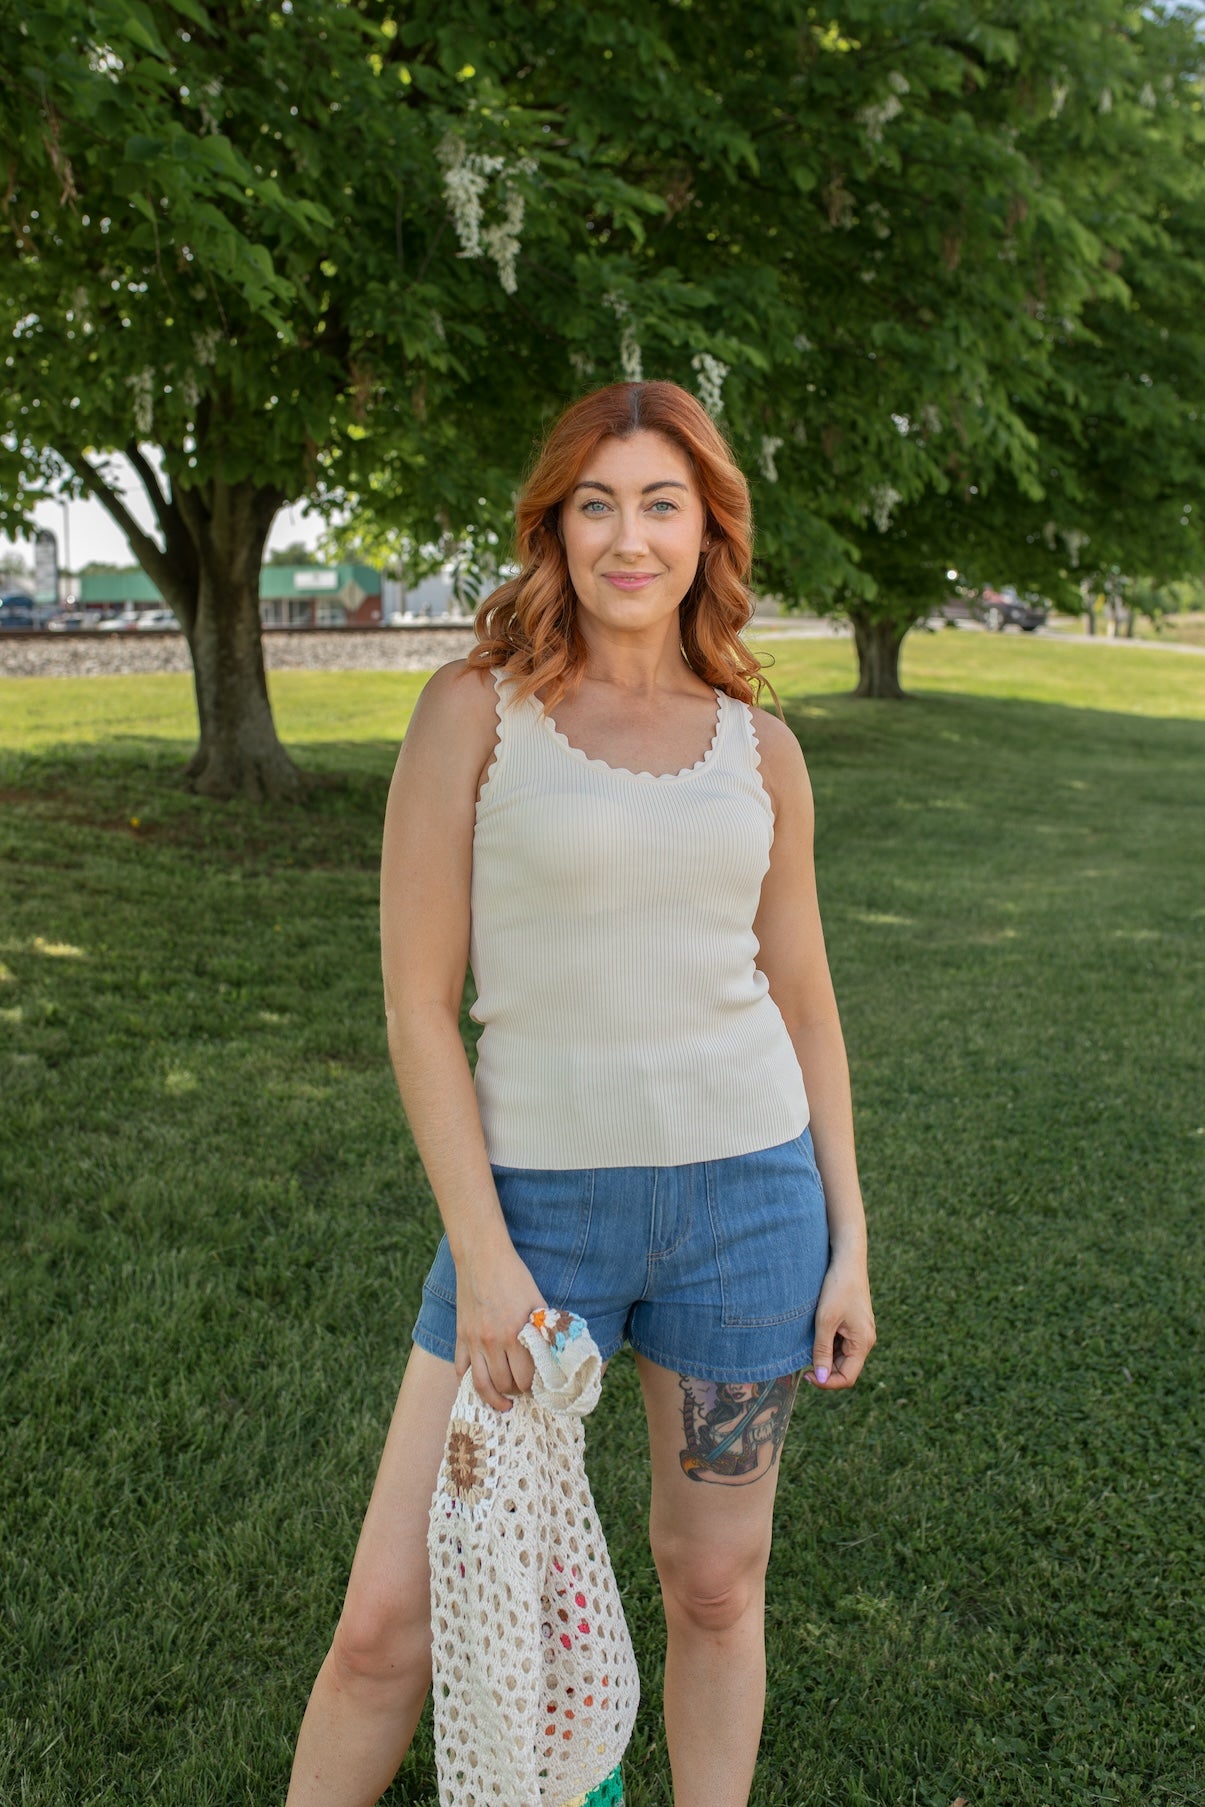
{"x": 845, "y": 1332}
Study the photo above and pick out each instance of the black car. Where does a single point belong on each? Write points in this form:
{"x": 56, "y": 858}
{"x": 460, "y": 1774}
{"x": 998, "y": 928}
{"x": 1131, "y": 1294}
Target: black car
{"x": 18, "y": 610}
{"x": 996, "y": 609}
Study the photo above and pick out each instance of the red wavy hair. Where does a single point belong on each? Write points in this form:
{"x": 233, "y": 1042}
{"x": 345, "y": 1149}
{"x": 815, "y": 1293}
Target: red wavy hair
{"x": 529, "y": 625}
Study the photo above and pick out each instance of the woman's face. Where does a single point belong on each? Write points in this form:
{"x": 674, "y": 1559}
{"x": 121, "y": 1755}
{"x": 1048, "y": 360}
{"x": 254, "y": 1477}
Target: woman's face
{"x": 633, "y": 529}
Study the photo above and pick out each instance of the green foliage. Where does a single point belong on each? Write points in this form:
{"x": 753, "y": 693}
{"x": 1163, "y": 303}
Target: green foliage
{"x": 296, "y": 553}
{"x": 948, "y": 253}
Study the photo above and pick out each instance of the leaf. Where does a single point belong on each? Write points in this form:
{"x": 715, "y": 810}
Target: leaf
{"x": 192, "y": 9}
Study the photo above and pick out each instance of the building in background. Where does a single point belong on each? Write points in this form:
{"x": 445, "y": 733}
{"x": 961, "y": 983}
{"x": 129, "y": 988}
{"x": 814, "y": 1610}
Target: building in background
{"x": 290, "y": 595}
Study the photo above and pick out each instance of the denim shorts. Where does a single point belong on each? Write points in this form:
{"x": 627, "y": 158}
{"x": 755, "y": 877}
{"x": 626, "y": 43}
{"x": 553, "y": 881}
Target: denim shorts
{"x": 711, "y": 1269}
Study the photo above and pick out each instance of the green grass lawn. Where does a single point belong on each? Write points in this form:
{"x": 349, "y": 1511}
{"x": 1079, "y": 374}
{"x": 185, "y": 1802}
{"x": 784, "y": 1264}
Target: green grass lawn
{"x": 215, "y": 1229}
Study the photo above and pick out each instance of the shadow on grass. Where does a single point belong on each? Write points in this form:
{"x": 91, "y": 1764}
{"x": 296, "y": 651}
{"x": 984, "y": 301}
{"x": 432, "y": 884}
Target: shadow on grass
{"x": 217, "y": 1229}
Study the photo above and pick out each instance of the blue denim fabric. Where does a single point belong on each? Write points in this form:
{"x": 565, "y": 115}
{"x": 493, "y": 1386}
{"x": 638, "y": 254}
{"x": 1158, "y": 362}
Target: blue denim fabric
{"x": 711, "y": 1269}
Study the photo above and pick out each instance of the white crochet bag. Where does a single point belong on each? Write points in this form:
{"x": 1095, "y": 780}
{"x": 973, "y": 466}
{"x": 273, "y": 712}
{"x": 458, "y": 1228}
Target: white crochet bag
{"x": 534, "y": 1680}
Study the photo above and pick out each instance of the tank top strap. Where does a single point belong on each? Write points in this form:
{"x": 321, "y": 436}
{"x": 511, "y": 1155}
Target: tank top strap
{"x": 738, "y": 734}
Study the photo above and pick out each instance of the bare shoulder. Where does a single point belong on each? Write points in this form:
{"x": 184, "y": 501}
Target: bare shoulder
{"x": 783, "y": 768}
{"x": 457, "y": 707}
{"x": 459, "y": 691}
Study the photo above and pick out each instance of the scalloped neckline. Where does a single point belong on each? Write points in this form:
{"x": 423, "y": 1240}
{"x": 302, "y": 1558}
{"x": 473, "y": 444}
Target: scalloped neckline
{"x": 625, "y": 771}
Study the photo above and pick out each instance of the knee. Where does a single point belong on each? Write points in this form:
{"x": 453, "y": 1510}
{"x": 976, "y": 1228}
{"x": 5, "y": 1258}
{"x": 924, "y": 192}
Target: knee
{"x": 710, "y": 1591}
{"x": 381, "y": 1643}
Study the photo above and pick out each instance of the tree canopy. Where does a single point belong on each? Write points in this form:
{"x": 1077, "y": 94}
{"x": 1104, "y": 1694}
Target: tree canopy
{"x": 920, "y": 260}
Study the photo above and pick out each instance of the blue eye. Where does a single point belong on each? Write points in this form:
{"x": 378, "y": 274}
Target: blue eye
{"x": 662, "y": 502}
{"x": 595, "y": 502}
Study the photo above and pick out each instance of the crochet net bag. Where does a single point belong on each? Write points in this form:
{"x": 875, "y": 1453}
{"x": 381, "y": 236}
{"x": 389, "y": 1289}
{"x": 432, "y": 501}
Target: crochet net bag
{"x": 534, "y": 1679}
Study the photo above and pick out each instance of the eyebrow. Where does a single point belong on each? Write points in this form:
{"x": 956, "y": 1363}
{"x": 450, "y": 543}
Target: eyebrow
{"x": 593, "y": 483}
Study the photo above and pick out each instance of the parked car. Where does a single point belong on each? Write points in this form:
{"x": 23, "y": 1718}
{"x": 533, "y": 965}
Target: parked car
{"x": 996, "y": 609}
{"x": 118, "y": 624}
{"x": 157, "y": 621}
{"x": 68, "y": 621}
{"x": 18, "y": 611}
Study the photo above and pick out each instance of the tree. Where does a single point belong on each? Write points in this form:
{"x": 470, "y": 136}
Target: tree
{"x": 296, "y": 553}
{"x": 295, "y": 249}
{"x": 342, "y": 253}
{"x": 936, "y": 219}
{"x": 982, "y": 229}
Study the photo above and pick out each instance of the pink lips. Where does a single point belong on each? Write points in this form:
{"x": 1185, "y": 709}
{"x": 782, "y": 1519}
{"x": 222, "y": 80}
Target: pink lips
{"x": 629, "y": 580}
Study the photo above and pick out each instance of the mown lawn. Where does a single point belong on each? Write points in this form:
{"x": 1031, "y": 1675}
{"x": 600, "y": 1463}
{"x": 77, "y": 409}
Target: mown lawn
{"x": 215, "y": 1229}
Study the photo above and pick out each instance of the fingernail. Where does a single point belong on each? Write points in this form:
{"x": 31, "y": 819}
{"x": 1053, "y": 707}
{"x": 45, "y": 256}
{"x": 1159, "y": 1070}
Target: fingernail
{"x": 822, "y": 1375}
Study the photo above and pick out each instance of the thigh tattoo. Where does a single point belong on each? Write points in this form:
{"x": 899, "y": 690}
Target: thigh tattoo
{"x": 734, "y": 1429}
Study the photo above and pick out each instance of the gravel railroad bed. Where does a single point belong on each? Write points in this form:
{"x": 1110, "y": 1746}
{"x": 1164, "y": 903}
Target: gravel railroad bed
{"x": 93, "y": 655}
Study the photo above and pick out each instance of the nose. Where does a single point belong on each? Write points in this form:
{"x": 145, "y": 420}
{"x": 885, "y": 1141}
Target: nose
{"x": 631, "y": 540}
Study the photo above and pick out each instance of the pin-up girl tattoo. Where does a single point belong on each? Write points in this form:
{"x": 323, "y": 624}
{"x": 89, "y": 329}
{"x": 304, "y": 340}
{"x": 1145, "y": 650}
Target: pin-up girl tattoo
{"x": 734, "y": 1429}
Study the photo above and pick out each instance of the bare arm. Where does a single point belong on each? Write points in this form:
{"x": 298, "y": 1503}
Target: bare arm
{"x": 426, "y": 870}
{"x": 794, "y": 961}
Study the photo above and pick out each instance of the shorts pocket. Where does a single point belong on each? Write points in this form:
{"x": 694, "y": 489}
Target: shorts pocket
{"x": 441, "y": 1280}
{"x": 770, "y": 1230}
{"x": 548, "y": 1213}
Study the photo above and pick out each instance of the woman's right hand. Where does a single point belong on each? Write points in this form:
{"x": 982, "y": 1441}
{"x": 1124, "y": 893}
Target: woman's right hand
{"x": 495, "y": 1296}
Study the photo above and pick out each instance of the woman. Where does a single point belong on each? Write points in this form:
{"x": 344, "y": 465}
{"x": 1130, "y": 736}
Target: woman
{"x": 659, "y": 1135}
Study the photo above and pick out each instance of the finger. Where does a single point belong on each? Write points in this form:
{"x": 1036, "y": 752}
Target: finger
{"x": 484, "y": 1383}
{"x": 822, "y": 1356}
{"x": 522, "y": 1368}
{"x": 850, "y": 1360}
{"x": 845, "y": 1372}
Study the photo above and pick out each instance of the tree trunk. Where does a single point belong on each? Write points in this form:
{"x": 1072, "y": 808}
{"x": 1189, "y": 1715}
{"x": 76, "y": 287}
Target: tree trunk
{"x": 878, "y": 644}
{"x": 208, "y": 573}
{"x": 239, "y": 754}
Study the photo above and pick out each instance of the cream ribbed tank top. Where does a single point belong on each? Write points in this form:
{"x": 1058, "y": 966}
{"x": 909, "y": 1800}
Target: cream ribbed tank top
{"x": 624, "y": 1020}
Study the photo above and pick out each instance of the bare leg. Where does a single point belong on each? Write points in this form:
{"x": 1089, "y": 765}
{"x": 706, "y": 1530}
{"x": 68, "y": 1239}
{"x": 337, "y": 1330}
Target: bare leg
{"x": 715, "y": 1470}
{"x": 370, "y": 1690}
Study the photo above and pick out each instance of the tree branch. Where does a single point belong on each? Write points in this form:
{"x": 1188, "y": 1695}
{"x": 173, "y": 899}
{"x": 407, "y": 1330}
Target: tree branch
{"x": 182, "y": 529}
{"x": 153, "y": 561}
{"x": 150, "y": 482}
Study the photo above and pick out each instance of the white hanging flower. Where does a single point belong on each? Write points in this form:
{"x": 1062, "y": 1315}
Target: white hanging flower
{"x": 711, "y": 374}
{"x": 190, "y": 394}
{"x": 898, "y": 83}
{"x": 1147, "y": 96}
{"x": 879, "y": 114}
{"x": 769, "y": 445}
{"x": 205, "y": 345}
{"x": 799, "y": 432}
{"x": 208, "y": 97}
{"x": 1058, "y": 97}
{"x": 631, "y": 358}
{"x": 883, "y": 499}
{"x": 583, "y": 366}
{"x": 1105, "y": 103}
{"x": 466, "y": 178}
{"x": 801, "y": 342}
{"x": 143, "y": 384}
{"x": 1075, "y": 541}
{"x": 502, "y": 240}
